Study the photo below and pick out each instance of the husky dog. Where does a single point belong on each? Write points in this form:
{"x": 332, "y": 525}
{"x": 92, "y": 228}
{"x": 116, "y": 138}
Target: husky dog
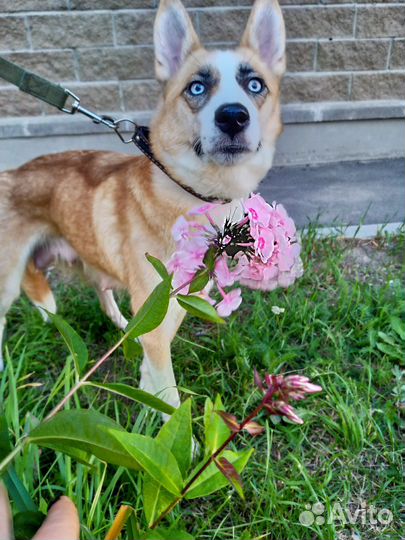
{"x": 214, "y": 131}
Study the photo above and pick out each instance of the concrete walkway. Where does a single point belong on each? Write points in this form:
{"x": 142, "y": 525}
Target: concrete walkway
{"x": 345, "y": 193}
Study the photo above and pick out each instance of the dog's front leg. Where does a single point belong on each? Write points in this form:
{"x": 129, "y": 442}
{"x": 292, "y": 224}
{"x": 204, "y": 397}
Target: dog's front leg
{"x": 110, "y": 307}
{"x": 157, "y": 376}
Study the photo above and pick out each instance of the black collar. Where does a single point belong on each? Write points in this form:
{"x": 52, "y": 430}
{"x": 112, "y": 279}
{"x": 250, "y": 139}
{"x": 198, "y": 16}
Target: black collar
{"x": 142, "y": 141}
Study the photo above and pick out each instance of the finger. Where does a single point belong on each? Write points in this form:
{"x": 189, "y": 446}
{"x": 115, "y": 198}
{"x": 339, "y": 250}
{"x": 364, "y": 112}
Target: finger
{"x": 6, "y": 527}
{"x": 62, "y": 522}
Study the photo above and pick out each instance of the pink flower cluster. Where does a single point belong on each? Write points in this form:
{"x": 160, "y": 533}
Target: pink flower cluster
{"x": 277, "y": 261}
{"x": 260, "y": 251}
{"x": 278, "y": 390}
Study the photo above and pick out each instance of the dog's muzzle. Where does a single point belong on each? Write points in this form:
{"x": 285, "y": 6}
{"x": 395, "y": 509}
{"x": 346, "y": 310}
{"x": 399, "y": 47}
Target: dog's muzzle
{"x": 232, "y": 118}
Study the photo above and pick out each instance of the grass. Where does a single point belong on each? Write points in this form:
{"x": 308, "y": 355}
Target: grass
{"x": 342, "y": 327}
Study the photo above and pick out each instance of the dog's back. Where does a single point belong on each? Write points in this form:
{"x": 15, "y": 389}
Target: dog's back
{"x": 48, "y": 209}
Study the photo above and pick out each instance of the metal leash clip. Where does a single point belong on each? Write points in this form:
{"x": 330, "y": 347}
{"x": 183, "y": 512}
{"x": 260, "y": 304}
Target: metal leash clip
{"x": 75, "y": 104}
{"x": 124, "y": 125}
{"x": 121, "y": 126}
{"x": 77, "y": 108}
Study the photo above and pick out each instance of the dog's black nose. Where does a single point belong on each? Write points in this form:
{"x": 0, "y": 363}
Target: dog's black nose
{"x": 232, "y": 118}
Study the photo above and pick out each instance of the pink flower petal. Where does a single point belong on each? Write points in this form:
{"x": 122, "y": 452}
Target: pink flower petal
{"x": 181, "y": 229}
{"x": 230, "y": 302}
{"x": 203, "y": 209}
{"x": 182, "y": 278}
{"x": 223, "y": 275}
{"x": 264, "y": 244}
{"x": 205, "y": 296}
{"x": 258, "y": 210}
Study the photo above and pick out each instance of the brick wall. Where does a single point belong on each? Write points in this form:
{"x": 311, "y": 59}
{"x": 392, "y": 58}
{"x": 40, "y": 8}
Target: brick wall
{"x": 102, "y": 49}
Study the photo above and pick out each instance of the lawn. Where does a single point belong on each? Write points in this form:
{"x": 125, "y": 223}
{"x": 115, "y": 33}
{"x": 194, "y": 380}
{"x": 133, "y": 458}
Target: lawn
{"x": 342, "y": 325}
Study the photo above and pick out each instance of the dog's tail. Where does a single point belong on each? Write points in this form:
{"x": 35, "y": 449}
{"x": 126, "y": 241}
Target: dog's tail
{"x": 36, "y": 287}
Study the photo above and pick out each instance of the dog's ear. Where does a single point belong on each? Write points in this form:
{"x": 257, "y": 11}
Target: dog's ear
{"x": 174, "y": 38}
{"x": 265, "y": 33}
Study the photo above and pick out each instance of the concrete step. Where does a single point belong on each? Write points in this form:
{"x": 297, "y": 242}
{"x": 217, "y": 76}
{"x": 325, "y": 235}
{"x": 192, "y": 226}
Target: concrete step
{"x": 344, "y": 193}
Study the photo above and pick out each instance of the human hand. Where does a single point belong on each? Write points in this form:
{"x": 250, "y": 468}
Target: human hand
{"x": 62, "y": 522}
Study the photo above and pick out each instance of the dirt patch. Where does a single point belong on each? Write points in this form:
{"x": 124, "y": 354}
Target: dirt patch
{"x": 374, "y": 261}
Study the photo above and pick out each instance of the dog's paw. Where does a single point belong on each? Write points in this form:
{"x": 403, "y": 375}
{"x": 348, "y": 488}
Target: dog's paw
{"x": 47, "y": 305}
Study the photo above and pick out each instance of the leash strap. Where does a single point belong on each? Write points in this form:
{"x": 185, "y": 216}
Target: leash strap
{"x": 28, "y": 82}
{"x": 55, "y": 95}
{"x": 141, "y": 140}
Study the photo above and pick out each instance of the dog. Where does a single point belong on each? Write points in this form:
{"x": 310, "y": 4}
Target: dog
{"x": 214, "y": 131}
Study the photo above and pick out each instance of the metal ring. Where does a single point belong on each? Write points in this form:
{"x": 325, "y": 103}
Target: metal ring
{"x": 120, "y": 129}
{"x": 75, "y": 104}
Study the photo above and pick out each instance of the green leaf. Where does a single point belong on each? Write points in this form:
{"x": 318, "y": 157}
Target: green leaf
{"x": 152, "y": 312}
{"x": 132, "y": 349}
{"x": 212, "y": 479}
{"x": 176, "y": 436}
{"x": 231, "y": 474}
{"x": 216, "y": 431}
{"x": 158, "y": 266}
{"x": 5, "y": 445}
{"x": 168, "y": 534}
{"x": 246, "y": 536}
{"x": 132, "y": 527}
{"x": 372, "y": 335}
{"x": 74, "y": 431}
{"x": 155, "y": 498}
{"x": 230, "y": 420}
{"x": 398, "y": 326}
{"x": 388, "y": 339}
{"x": 389, "y": 350}
{"x": 153, "y": 535}
{"x": 26, "y": 524}
{"x": 154, "y": 458}
{"x": 210, "y": 259}
{"x": 74, "y": 342}
{"x": 200, "y": 308}
{"x": 140, "y": 396}
{"x": 200, "y": 281}
{"x": 14, "y": 485}
{"x": 18, "y": 492}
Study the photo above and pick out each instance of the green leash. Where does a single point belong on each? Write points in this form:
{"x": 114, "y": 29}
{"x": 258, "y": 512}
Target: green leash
{"x": 28, "y": 82}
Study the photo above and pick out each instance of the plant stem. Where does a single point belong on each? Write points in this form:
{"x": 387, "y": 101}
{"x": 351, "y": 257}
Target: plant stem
{"x": 221, "y": 448}
{"x": 9, "y": 458}
{"x": 63, "y": 402}
{"x": 85, "y": 377}
{"x": 207, "y": 464}
{"x": 176, "y": 291}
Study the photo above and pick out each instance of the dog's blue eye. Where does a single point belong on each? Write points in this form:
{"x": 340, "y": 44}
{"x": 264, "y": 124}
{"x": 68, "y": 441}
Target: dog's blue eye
{"x": 255, "y": 86}
{"x": 197, "y": 89}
